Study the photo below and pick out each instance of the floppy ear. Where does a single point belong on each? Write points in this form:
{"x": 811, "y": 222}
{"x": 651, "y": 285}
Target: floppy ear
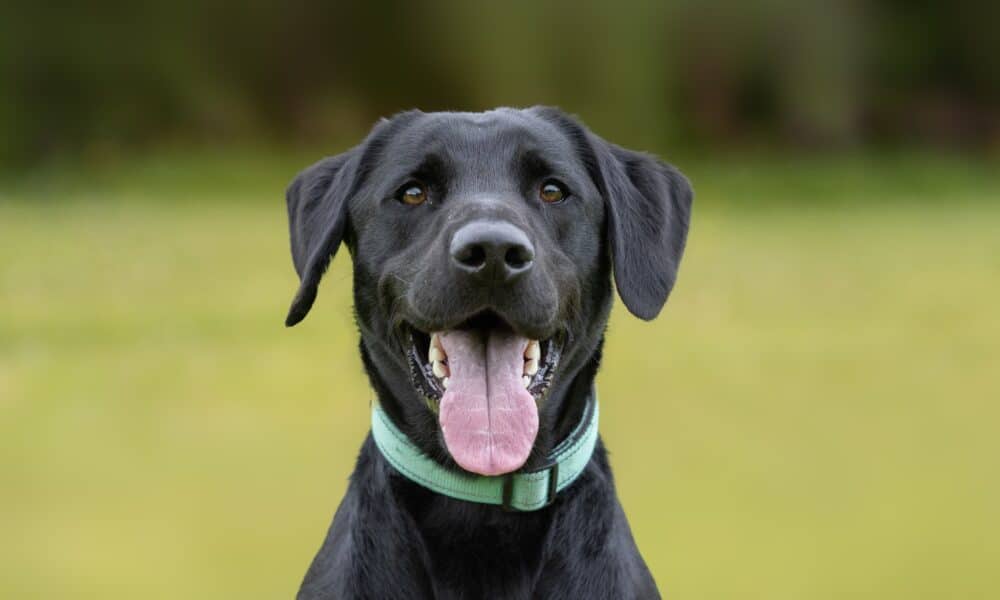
{"x": 648, "y": 205}
{"x": 317, "y": 217}
{"x": 317, "y": 208}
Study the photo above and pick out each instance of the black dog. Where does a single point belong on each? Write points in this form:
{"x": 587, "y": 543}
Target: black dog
{"x": 483, "y": 248}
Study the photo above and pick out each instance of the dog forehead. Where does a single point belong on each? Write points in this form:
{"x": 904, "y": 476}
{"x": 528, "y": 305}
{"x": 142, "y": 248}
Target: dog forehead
{"x": 476, "y": 136}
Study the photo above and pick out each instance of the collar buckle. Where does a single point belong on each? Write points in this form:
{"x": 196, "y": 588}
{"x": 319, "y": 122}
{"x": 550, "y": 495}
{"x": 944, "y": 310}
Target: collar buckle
{"x": 553, "y": 485}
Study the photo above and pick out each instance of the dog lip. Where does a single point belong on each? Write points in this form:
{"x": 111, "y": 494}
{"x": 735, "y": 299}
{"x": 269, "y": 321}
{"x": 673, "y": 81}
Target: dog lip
{"x": 533, "y": 331}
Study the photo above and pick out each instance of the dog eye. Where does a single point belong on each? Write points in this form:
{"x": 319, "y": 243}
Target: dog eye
{"x": 552, "y": 192}
{"x": 413, "y": 194}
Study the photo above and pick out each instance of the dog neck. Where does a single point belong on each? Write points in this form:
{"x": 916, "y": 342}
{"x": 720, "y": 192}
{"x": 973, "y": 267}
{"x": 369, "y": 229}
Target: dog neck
{"x": 450, "y": 527}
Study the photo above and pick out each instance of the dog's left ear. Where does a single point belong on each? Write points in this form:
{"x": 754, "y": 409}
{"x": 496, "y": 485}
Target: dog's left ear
{"x": 648, "y": 205}
{"x": 317, "y": 218}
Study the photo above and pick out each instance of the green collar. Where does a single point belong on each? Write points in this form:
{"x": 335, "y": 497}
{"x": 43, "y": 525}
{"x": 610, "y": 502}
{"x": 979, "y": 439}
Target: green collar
{"x": 521, "y": 491}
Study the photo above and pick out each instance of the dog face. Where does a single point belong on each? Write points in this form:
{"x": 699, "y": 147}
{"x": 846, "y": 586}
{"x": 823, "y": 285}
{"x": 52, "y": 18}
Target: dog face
{"x": 483, "y": 247}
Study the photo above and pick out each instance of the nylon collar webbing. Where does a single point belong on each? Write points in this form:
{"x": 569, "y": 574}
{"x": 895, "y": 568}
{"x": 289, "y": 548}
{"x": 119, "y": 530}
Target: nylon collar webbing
{"x": 523, "y": 491}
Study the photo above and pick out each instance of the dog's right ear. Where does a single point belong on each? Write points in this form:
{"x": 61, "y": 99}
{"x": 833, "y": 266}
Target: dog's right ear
{"x": 317, "y": 218}
{"x": 317, "y": 208}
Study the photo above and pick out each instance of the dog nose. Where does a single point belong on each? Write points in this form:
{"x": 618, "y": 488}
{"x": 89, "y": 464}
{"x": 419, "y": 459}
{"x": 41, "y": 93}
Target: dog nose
{"x": 494, "y": 251}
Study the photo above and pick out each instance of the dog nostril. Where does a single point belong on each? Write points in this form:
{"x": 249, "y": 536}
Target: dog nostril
{"x": 518, "y": 257}
{"x": 472, "y": 256}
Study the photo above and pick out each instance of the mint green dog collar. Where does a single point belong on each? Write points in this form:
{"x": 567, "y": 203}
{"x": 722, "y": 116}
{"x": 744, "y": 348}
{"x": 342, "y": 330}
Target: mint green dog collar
{"x": 522, "y": 491}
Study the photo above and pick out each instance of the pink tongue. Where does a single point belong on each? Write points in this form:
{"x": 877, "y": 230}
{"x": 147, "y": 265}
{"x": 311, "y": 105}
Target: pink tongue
{"x": 489, "y": 420}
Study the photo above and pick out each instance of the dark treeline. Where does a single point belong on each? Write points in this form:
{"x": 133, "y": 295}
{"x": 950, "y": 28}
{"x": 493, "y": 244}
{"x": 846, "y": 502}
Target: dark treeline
{"x": 116, "y": 73}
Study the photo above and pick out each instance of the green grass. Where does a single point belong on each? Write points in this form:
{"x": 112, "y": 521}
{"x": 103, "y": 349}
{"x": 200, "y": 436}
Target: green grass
{"x": 813, "y": 416}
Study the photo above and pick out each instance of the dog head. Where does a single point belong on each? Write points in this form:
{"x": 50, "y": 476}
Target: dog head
{"x": 483, "y": 247}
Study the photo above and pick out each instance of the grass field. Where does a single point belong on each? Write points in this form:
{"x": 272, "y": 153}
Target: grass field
{"x": 814, "y": 416}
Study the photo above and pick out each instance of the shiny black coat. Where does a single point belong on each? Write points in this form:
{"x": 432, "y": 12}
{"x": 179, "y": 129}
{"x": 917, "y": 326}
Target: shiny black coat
{"x": 627, "y": 215}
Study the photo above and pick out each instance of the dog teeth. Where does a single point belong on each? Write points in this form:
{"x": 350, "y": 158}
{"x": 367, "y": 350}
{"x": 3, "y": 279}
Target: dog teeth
{"x": 436, "y": 354}
{"x": 530, "y": 367}
{"x": 533, "y": 351}
{"x": 445, "y": 382}
{"x": 525, "y": 380}
{"x": 436, "y": 351}
{"x": 439, "y": 368}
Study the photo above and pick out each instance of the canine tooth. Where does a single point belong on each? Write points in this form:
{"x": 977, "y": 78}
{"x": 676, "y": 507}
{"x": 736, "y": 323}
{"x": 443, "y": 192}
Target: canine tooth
{"x": 445, "y": 382}
{"x": 533, "y": 351}
{"x": 436, "y": 354}
{"x": 439, "y": 369}
{"x": 531, "y": 366}
{"x": 526, "y": 381}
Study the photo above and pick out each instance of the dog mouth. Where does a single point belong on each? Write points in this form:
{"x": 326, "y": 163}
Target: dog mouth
{"x": 485, "y": 382}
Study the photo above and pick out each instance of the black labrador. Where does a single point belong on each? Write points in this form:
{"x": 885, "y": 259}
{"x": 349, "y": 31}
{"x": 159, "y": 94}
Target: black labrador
{"x": 483, "y": 247}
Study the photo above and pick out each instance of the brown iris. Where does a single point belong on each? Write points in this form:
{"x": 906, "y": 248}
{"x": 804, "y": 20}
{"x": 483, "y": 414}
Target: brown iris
{"x": 413, "y": 194}
{"x": 552, "y": 192}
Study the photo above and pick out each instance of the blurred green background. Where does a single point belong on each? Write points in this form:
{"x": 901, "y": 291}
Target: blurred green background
{"x": 813, "y": 416}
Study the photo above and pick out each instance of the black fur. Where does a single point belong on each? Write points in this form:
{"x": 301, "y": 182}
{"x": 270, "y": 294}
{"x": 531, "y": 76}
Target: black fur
{"x": 627, "y": 213}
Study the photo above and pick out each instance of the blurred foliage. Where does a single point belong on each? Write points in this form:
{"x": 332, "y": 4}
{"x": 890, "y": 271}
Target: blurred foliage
{"x": 825, "y": 373}
{"x": 108, "y": 75}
